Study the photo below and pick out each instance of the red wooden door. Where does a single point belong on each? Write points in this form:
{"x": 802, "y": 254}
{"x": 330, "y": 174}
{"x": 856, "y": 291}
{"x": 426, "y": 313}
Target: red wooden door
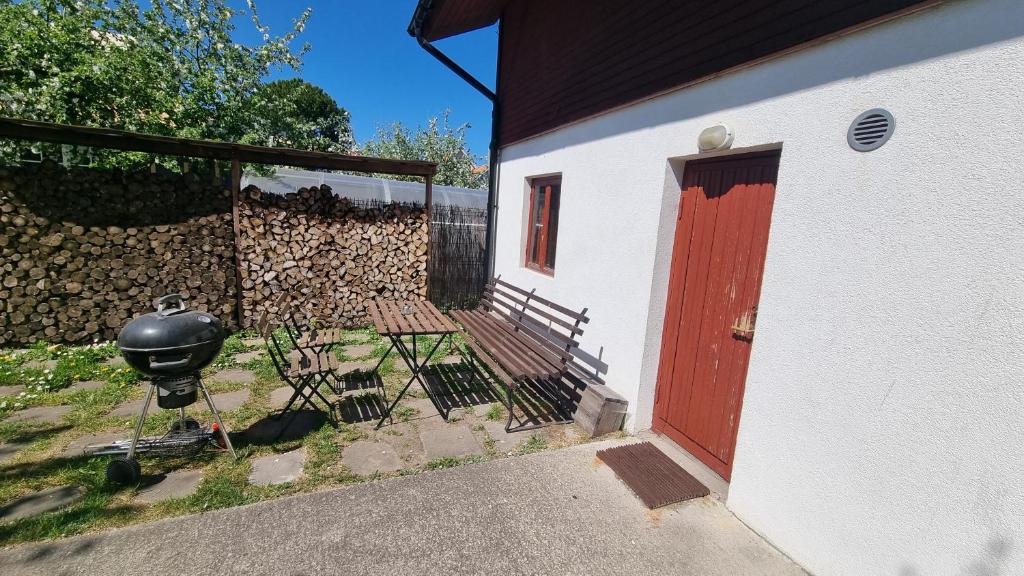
{"x": 717, "y": 260}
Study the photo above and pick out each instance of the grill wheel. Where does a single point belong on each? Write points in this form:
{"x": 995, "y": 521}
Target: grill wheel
{"x": 124, "y": 471}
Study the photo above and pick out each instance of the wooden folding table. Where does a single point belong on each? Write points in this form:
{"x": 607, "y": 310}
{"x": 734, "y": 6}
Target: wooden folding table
{"x": 397, "y": 319}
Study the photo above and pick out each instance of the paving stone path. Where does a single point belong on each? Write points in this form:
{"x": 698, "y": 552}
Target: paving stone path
{"x": 177, "y": 484}
{"x": 451, "y": 441}
{"x": 504, "y": 441}
{"x": 115, "y": 361}
{"x": 364, "y": 365}
{"x": 129, "y": 408}
{"x": 41, "y": 364}
{"x": 280, "y": 396}
{"x": 278, "y": 468}
{"x": 367, "y": 458}
{"x": 246, "y": 357}
{"x": 39, "y": 415}
{"x": 9, "y": 449}
{"x": 43, "y": 501}
{"x": 12, "y": 390}
{"x": 89, "y": 385}
{"x": 250, "y": 342}
{"x": 294, "y": 425}
{"x": 228, "y": 401}
{"x": 235, "y": 376}
{"x": 425, "y": 413}
{"x": 80, "y": 446}
{"x": 359, "y": 350}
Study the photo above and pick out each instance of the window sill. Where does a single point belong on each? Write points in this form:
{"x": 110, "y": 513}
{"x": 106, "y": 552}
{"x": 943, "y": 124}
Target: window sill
{"x": 549, "y": 272}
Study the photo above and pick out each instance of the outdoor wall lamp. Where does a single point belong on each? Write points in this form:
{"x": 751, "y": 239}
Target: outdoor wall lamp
{"x": 717, "y": 137}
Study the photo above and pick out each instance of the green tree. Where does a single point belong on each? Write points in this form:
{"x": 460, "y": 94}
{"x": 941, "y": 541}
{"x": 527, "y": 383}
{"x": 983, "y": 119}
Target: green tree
{"x": 297, "y": 114}
{"x": 171, "y": 68}
{"x": 437, "y": 142}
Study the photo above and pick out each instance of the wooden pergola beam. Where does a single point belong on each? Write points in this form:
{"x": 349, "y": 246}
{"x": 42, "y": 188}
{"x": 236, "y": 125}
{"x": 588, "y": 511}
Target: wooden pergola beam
{"x": 30, "y": 130}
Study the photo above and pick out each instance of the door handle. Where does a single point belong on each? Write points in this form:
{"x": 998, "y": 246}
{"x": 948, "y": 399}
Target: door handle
{"x": 744, "y": 327}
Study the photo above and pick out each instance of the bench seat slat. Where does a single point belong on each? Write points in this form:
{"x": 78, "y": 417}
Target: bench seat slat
{"x": 511, "y": 354}
{"x": 486, "y": 358}
{"x": 552, "y": 354}
{"x": 527, "y": 352}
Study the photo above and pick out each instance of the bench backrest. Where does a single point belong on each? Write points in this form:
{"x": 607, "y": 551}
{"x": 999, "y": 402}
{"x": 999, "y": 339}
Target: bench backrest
{"x": 552, "y": 330}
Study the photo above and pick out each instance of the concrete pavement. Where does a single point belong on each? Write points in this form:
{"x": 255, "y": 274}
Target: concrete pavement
{"x": 555, "y": 512}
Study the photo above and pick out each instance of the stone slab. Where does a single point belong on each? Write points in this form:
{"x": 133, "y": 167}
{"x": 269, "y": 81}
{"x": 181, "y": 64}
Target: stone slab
{"x": 246, "y": 357}
{"x": 39, "y": 415}
{"x": 424, "y": 410}
{"x": 228, "y": 401}
{"x": 367, "y": 458}
{"x": 286, "y": 428}
{"x": 116, "y": 361}
{"x": 279, "y": 396}
{"x": 503, "y": 441}
{"x": 359, "y": 350}
{"x": 130, "y": 408}
{"x": 278, "y": 468}
{"x": 365, "y": 366}
{"x": 40, "y": 502}
{"x": 234, "y": 376}
{"x": 80, "y": 446}
{"x": 253, "y": 342}
{"x": 177, "y": 484}
{"x": 13, "y": 390}
{"x": 450, "y": 441}
{"x": 40, "y": 364}
{"x": 88, "y": 385}
{"x": 9, "y": 449}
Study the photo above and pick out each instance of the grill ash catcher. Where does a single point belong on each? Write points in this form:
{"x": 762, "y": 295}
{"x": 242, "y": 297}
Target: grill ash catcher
{"x": 170, "y": 346}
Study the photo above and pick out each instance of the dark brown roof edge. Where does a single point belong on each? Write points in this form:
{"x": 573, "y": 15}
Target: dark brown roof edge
{"x": 31, "y": 130}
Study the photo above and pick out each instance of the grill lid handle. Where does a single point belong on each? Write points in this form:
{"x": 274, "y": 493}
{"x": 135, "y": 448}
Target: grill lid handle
{"x": 170, "y": 304}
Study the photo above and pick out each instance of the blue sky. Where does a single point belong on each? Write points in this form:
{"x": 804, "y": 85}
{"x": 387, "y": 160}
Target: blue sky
{"x": 362, "y": 55}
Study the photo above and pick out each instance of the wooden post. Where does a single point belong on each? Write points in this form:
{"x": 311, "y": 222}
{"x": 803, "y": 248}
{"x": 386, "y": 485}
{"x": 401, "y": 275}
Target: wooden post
{"x": 236, "y": 188}
{"x": 429, "y": 201}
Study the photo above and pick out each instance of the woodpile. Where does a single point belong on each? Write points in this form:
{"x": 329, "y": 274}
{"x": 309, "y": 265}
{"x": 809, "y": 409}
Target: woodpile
{"x": 327, "y": 255}
{"x": 84, "y": 250}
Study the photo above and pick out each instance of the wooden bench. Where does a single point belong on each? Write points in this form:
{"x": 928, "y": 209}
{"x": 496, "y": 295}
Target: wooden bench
{"x": 522, "y": 338}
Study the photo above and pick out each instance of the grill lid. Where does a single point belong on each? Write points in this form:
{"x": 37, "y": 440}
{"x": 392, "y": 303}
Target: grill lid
{"x": 171, "y": 327}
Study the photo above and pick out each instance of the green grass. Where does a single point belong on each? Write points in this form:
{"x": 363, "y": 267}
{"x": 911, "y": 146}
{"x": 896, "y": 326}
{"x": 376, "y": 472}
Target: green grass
{"x": 534, "y": 444}
{"x": 495, "y": 413}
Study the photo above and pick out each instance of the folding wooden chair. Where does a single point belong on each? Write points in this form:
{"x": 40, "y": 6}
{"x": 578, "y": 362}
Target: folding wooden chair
{"x": 303, "y": 335}
{"x": 304, "y": 372}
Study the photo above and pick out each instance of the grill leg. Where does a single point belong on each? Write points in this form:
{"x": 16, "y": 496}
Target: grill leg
{"x": 142, "y": 419}
{"x": 216, "y": 416}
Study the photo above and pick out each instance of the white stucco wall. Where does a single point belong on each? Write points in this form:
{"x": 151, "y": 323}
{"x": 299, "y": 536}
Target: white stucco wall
{"x": 882, "y": 429}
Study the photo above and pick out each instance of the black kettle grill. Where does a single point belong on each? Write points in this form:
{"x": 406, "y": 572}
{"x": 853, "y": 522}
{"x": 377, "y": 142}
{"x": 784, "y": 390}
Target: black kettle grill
{"x": 170, "y": 346}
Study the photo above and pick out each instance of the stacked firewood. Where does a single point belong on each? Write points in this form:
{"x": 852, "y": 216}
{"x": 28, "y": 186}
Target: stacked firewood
{"x": 327, "y": 257}
{"x": 84, "y": 250}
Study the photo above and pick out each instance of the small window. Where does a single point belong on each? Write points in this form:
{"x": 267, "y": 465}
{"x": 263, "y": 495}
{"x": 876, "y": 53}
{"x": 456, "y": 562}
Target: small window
{"x": 542, "y": 233}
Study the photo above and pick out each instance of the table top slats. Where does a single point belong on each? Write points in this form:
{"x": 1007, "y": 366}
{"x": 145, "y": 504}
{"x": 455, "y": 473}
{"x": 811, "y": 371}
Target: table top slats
{"x": 424, "y": 319}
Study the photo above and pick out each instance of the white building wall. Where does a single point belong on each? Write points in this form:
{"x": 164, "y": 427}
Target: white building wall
{"x": 882, "y": 429}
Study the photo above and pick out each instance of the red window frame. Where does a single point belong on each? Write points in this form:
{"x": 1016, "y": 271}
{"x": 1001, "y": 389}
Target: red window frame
{"x": 546, "y": 236}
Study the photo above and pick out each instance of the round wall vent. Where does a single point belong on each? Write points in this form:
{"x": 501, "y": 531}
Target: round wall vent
{"x": 870, "y": 130}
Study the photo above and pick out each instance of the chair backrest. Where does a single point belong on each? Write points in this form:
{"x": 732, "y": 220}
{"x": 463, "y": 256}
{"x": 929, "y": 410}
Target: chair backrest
{"x": 551, "y": 329}
{"x": 277, "y": 356}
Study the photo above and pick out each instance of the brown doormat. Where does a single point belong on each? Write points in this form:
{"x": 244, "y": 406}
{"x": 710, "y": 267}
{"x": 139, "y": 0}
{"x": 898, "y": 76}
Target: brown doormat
{"x": 652, "y": 475}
